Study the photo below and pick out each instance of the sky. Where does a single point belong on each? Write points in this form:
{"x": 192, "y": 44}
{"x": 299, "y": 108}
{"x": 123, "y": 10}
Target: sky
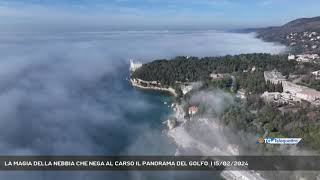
{"x": 95, "y": 15}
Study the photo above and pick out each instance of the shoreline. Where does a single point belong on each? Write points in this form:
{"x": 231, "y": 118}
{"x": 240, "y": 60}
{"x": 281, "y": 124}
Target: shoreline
{"x": 178, "y": 133}
{"x": 169, "y": 90}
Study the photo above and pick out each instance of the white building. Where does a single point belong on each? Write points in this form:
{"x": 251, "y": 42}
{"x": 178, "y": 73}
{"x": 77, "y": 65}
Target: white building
{"x": 186, "y": 88}
{"x": 314, "y": 56}
{"x": 241, "y": 94}
{"x": 301, "y": 92}
{"x": 134, "y": 66}
{"x": 287, "y": 96}
{"x": 291, "y": 91}
{"x": 274, "y": 76}
{"x": 217, "y": 76}
{"x": 307, "y": 57}
{"x": 291, "y": 57}
{"x": 290, "y": 87}
{"x": 253, "y": 69}
{"x": 316, "y": 73}
{"x": 309, "y": 94}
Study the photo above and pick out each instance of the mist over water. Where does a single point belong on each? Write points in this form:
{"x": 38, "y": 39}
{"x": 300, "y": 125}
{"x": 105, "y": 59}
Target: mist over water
{"x": 67, "y": 94}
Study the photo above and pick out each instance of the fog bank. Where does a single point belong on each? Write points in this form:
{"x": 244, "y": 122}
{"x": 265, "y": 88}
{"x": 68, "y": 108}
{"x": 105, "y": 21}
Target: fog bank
{"x": 66, "y": 94}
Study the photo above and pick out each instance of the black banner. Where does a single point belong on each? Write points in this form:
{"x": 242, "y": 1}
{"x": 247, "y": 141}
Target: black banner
{"x": 262, "y": 163}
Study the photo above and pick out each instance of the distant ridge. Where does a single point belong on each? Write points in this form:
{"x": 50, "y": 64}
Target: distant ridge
{"x": 299, "y": 26}
{"x": 295, "y": 26}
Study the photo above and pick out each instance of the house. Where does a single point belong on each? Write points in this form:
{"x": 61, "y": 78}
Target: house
{"x": 253, "y": 69}
{"x": 192, "y": 110}
{"x": 215, "y": 76}
{"x": 316, "y": 73}
{"x": 307, "y": 57}
{"x": 291, "y": 57}
{"x": 241, "y": 94}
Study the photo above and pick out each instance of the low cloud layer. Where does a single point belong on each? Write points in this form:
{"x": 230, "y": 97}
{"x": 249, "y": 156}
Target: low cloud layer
{"x": 65, "y": 93}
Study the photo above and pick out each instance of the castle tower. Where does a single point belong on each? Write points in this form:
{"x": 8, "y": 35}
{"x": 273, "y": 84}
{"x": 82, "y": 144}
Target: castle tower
{"x": 134, "y": 66}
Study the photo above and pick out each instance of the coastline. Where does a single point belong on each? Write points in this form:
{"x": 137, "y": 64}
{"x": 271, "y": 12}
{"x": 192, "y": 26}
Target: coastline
{"x": 136, "y": 84}
{"x": 184, "y": 139}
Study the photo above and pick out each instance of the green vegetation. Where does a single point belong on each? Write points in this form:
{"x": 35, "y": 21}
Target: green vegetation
{"x": 255, "y": 84}
{"x": 182, "y": 69}
{"x": 224, "y": 83}
{"x": 265, "y": 119}
{"x": 311, "y": 82}
{"x": 245, "y": 71}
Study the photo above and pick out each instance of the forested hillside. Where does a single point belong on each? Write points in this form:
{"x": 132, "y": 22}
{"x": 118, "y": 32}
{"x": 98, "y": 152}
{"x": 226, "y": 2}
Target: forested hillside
{"x": 183, "y": 69}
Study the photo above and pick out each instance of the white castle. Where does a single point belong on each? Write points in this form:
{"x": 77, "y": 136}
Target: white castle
{"x": 134, "y": 65}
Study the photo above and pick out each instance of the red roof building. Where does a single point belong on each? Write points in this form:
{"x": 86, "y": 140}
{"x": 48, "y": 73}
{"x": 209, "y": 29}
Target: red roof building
{"x": 192, "y": 110}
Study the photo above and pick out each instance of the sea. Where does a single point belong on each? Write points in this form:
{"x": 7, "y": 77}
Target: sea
{"x": 67, "y": 93}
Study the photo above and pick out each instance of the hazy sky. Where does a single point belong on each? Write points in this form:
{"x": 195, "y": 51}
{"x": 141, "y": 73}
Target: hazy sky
{"x": 150, "y": 14}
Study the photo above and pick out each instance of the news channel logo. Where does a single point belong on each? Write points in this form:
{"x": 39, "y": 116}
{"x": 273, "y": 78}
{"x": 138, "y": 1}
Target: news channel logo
{"x": 290, "y": 141}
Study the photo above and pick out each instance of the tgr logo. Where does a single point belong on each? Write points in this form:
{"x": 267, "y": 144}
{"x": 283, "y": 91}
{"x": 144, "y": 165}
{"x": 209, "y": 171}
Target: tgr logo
{"x": 291, "y": 141}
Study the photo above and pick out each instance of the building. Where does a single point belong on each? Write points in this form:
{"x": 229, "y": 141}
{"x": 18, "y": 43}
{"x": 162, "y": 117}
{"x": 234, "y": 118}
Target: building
{"x": 291, "y": 57}
{"x": 192, "y": 110}
{"x": 215, "y": 76}
{"x": 301, "y": 92}
{"x": 253, "y": 69}
{"x": 307, "y": 57}
{"x": 241, "y": 94}
{"x": 274, "y": 76}
{"x": 186, "y": 88}
{"x": 134, "y": 66}
{"x": 316, "y": 74}
{"x": 280, "y": 98}
{"x": 304, "y": 57}
{"x": 291, "y": 91}
{"x": 290, "y": 87}
{"x": 271, "y": 96}
{"x": 309, "y": 94}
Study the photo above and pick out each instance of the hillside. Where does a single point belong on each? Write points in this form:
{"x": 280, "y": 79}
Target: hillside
{"x": 243, "y": 76}
{"x": 302, "y": 35}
